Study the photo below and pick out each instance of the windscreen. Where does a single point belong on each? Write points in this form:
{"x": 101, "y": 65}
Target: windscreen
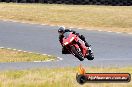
{"x": 66, "y": 34}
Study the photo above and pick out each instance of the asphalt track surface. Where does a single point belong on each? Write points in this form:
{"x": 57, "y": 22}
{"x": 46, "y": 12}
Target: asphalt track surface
{"x": 110, "y": 49}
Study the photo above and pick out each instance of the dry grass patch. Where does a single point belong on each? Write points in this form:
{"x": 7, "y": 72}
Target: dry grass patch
{"x": 114, "y": 18}
{"x": 15, "y": 56}
{"x": 55, "y": 77}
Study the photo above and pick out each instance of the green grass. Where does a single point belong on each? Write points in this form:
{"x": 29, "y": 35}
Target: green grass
{"x": 114, "y": 18}
{"x": 56, "y": 77}
{"x": 16, "y": 56}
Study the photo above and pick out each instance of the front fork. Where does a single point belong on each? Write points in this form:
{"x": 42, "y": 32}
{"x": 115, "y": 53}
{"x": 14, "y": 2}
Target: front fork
{"x": 84, "y": 51}
{"x": 79, "y": 50}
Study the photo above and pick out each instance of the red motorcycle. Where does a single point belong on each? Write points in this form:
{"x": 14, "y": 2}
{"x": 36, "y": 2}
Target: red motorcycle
{"x": 76, "y": 46}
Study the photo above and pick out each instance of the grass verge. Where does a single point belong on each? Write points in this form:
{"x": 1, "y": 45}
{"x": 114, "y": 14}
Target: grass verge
{"x": 107, "y": 18}
{"x": 56, "y": 77}
{"x": 16, "y": 56}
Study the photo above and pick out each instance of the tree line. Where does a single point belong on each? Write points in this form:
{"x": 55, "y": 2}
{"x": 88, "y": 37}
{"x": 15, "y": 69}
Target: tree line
{"x": 77, "y": 2}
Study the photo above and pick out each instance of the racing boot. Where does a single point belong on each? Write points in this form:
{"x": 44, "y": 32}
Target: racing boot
{"x": 90, "y": 54}
{"x": 86, "y": 44}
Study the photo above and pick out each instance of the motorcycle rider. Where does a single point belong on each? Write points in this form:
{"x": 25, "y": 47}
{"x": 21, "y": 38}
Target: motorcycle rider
{"x": 61, "y": 31}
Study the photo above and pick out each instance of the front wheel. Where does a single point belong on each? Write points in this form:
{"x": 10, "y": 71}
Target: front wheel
{"x": 76, "y": 53}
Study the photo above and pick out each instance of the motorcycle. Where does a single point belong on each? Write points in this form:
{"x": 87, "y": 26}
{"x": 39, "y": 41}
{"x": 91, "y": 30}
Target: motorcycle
{"x": 77, "y": 47}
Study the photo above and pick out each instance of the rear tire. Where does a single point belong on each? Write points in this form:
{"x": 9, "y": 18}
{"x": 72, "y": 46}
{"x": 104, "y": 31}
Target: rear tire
{"x": 76, "y": 54}
{"x": 90, "y": 56}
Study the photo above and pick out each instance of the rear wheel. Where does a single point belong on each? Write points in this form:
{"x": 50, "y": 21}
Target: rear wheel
{"x": 76, "y": 53}
{"x": 90, "y": 56}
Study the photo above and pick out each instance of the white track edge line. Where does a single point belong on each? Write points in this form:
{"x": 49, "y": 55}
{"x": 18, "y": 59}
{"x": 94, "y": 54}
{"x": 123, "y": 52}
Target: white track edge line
{"x": 28, "y": 22}
{"x": 58, "y": 58}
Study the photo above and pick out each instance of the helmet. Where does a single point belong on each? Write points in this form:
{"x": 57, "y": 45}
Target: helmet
{"x": 61, "y": 30}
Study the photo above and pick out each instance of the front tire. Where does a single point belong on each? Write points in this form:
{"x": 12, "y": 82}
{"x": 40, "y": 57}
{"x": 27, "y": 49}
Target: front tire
{"x": 76, "y": 53}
